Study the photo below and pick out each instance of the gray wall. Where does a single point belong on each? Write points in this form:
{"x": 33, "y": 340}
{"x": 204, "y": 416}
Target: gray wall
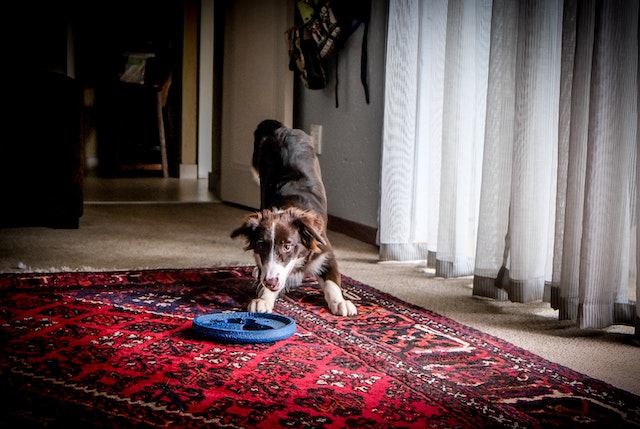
{"x": 351, "y": 133}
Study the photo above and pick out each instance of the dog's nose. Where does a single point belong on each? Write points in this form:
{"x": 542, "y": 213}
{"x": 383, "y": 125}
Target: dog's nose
{"x": 271, "y": 283}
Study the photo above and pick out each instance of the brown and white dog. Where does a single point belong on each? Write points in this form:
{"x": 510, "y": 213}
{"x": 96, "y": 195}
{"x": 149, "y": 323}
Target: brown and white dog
{"x": 288, "y": 235}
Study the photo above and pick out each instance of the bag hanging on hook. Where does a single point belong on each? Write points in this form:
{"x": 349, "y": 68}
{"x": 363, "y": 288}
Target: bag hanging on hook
{"x": 304, "y": 59}
{"x": 320, "y": 20}
{"x": 326, "y": 25}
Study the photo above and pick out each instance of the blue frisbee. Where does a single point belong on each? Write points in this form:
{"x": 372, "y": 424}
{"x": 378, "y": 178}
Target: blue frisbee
{"x": 245, "y": 327}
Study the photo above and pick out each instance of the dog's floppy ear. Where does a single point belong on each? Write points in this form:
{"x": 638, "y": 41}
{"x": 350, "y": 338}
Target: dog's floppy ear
{"x": 310, "y": 226}
{"x": 248, "y": 227}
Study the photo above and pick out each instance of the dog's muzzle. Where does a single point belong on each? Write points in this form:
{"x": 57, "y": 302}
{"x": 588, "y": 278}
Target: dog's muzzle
{"x": 271, "y": 284}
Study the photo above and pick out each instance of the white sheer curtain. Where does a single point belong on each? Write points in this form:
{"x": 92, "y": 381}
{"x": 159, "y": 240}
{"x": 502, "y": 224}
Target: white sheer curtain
{"x": 509, "y": 149}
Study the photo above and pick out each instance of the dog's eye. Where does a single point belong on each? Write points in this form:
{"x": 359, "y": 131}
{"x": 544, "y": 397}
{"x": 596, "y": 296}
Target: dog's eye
{"x": 287, "y": 247}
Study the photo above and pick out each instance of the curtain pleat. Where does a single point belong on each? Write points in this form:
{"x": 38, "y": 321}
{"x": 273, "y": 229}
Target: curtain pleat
{"x": 604, "y": 265}
{"x": 464, "y": 107}
{"x": 534, "y": 149}
{"x": 398, "y": 187}
{"x": 637, "y": 187}
{"x": 520, "y": 151}
{"x": 576, "y": 80}
{"x": 410, "y": 184}
{"x": 497, "y": 157}
{"x": 431, "y": 75}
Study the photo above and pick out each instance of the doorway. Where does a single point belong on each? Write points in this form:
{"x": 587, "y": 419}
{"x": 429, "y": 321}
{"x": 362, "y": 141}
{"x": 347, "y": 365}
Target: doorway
{"x": 258, "y": 85}
{"x": 127, "y": 54}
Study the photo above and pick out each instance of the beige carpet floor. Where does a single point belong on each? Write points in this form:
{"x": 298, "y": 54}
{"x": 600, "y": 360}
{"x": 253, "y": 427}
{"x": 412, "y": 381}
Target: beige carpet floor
{"x": 116, "y": 236}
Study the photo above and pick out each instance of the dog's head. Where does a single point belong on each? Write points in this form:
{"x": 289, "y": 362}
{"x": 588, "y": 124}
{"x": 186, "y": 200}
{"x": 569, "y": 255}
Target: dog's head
{"x": 264, "y": 130}
{"x": 282, "y": 242}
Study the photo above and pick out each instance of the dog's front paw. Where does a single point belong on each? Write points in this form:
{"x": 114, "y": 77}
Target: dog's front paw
{"x": 343, "y": 308}
{"x": 260, "y": 305}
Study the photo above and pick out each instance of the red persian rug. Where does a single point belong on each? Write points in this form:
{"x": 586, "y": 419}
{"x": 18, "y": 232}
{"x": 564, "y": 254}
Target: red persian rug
{"x": 116, "y": 350}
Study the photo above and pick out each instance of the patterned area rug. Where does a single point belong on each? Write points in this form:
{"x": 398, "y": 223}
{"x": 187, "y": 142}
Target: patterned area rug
{"x": 116, "y": 349}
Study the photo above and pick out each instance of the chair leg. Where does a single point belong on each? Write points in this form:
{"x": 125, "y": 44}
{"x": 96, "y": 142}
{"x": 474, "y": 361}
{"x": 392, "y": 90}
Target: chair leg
{"x": 163, "y": 141}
